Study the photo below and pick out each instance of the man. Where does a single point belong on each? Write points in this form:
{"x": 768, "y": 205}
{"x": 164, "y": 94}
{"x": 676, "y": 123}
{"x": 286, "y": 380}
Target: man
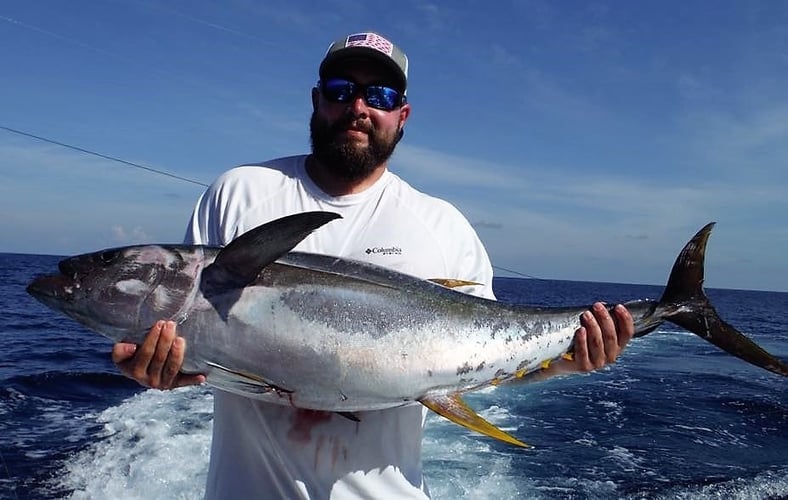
{"x": 359, "y": 112}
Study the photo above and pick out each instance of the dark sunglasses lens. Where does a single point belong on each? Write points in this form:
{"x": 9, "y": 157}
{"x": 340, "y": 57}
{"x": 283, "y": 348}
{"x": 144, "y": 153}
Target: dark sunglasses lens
{"x": 380, "y": 97}
{"x": 338, "y": 90}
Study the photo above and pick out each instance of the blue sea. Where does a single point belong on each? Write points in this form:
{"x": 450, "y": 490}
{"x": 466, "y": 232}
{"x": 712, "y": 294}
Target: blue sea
{"x": 674, "y": 418}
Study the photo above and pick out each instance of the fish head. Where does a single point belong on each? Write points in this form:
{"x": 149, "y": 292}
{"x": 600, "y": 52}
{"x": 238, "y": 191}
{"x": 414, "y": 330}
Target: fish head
{"x": 122, "y": 292}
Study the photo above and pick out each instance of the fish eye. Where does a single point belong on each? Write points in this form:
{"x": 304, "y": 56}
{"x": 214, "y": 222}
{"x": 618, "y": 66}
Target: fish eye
{"x": 109, "y": 256}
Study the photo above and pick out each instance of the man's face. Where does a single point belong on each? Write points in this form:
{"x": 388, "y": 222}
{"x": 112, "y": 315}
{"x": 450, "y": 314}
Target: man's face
{"x": 352, "y": 139}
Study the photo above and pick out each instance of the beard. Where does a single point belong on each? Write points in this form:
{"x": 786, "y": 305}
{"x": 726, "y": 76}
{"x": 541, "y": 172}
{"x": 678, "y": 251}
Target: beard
{"x": 343, "y": 158}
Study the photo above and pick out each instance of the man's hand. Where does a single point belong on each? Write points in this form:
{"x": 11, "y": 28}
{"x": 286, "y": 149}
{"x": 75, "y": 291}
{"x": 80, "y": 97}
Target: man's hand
{"x": 599, "y": 341}
{"x": 157, "y": 362}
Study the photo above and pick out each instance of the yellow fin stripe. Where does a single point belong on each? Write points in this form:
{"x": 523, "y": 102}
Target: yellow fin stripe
{"x": 452, "y": 406}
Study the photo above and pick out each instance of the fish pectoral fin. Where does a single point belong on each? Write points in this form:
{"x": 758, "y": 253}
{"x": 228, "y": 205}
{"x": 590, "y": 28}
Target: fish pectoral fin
{"x": 352, "y": 416}
{"x": 452, "y": 406}
{"x": 453, "y": 283}
{"x": 247, "y": 382}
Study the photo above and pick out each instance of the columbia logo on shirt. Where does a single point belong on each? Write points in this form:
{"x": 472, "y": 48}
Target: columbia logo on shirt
{"x": 384, "y": 251}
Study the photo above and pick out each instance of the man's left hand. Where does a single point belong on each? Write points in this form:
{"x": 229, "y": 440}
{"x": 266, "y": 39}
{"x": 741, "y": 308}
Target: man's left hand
{"x": 598, "y": 342}
{"x": 602, "y": 337}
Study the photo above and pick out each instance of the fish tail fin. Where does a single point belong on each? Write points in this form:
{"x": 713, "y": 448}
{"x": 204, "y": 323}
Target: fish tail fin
{"x": 452, "y": 407}
{"x": 685, "y": 304}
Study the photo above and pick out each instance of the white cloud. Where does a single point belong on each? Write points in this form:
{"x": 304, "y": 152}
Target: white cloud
{"x": 123, "y": 236}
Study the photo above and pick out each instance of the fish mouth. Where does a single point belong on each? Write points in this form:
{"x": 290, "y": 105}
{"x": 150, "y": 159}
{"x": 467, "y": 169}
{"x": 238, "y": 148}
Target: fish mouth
{"x": 57, "y": 289}
{"x": 53, "y": 289}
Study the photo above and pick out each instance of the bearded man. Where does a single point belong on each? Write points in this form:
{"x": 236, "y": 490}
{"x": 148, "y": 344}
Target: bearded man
{"x": 264, "y": 450}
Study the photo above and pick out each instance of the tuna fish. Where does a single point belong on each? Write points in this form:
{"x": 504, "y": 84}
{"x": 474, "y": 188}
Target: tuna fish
{"x": 325, "y": 333}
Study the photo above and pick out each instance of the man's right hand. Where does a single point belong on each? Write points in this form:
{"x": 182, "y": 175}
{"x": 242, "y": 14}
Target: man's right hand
{"x": 157, "y": 362}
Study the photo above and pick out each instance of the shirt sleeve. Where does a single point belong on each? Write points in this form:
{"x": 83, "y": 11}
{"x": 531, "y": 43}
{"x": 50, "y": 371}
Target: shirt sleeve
{"x": 200, "y": 231}
{"x": 476, "y": 263}
{"x": 214, "y": 216}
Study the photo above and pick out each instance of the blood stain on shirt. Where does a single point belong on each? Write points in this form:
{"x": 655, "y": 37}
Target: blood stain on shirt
{"x": 303, "y": 422}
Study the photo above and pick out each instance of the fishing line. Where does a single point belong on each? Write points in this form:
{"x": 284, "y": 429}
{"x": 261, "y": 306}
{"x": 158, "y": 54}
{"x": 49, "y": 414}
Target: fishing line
{"x": 517, "y": 273}
{"x": 52, "y": 34}
{"x": 215, "y": 25}
{"x": 151, "y": 71}
{"x": 100, "y": 155}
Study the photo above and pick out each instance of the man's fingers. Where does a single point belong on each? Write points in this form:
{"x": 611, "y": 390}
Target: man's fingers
{"x": 580, "y": 355}
{"x": 601, "y": 337}
{"x": 157, "y": 361}
{"x": 144, "y": 363}
{"x": 122, "y": 352}
{"x": 160, "y": 354}
{"x": 594, "y": 340}
{"x": 173, "y": 363}
{"x": 137, "y": 368}
{"x": 184, "y": 380}
{"x": 626, "y": 327}
{"x": 607, "y": 328}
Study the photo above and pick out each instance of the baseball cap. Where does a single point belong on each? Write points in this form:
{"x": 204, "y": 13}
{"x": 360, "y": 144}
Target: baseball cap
{"x": 367, "y": 45}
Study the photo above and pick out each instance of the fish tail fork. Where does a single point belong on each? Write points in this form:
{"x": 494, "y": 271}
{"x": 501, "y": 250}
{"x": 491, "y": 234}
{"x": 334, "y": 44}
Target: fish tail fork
{"x": 685, "y": 304}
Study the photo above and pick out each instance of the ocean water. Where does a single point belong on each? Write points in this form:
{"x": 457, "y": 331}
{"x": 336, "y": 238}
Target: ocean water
{"x": 674, "y": 418}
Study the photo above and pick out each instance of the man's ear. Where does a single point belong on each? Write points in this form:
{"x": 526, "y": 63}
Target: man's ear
{"x": 315, "y": 98}
{"x": 404, "y": 113}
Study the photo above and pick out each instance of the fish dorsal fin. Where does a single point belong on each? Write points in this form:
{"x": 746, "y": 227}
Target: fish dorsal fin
{"x": 455, "y": 409}
{"x": 240, "y": 262}
{"x": 453, "y": 283}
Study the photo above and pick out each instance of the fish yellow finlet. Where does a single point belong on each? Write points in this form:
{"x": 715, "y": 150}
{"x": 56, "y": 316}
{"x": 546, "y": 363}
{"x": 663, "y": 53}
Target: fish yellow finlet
{"x": 453, "y": 283}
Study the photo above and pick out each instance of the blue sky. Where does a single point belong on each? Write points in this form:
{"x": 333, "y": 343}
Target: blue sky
{"x": 584, "y": 140}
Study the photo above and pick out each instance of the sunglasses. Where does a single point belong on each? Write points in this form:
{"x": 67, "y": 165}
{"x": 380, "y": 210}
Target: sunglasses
{"x": 375, "y": 96}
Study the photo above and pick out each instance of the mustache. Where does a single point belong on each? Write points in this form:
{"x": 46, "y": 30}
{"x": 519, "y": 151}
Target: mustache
{"x": 349, "y": 121}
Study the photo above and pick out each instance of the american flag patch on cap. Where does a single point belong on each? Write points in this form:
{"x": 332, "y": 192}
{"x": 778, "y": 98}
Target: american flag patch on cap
{"x": 372, "y": 41}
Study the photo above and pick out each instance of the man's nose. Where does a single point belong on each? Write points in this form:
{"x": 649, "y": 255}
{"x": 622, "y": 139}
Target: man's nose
{"x": 358, "y": 106}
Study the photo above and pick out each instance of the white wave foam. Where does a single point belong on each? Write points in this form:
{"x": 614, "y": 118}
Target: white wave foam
{"x": 153, "y": 445}
{"x": 156, "y": 445}
{"x": 769, "y": 484}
